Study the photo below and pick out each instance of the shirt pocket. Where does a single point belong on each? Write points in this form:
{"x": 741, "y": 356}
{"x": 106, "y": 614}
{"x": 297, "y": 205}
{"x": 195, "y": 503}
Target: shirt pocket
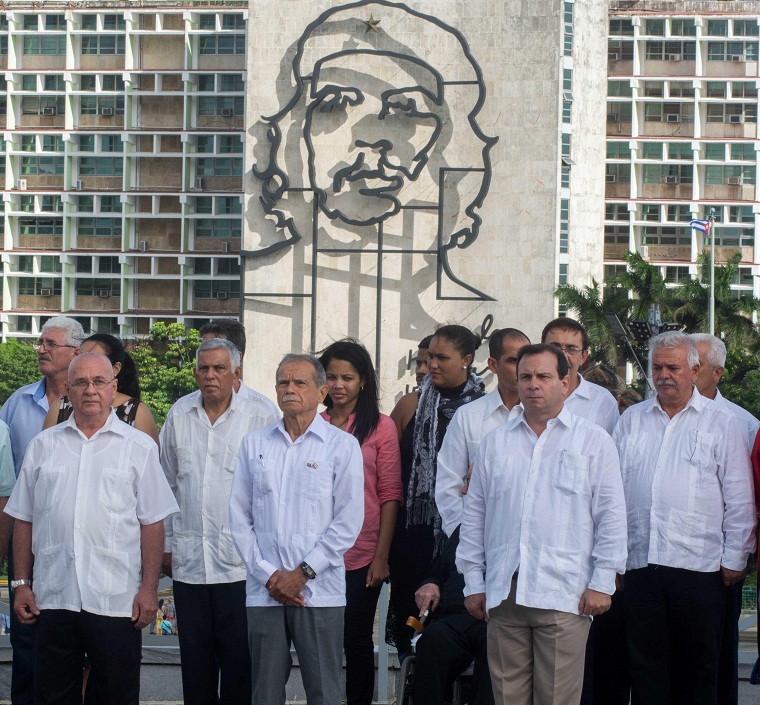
{"x": 572, "y": 472}
{"x": 52, "y": 567}
{"x": 52, "y": 482}
{"x": 314, "y": 480}
{"x": 500, "y": 469}
{"x": 186, "y": 461}
{"x": 698, "y": 450}
{"x": 116, "y": 493}
{"x": 227, "y": 552}
{"x": 108, "y": 572}
{"x": 262, "y": 477}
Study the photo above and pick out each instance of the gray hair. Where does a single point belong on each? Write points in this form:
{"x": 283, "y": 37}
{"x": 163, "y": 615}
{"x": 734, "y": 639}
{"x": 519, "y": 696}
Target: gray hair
{"x": 219, "y": 344}
{"x": 320, "y": 376}
{"x": 73, "y": 329}
{"x": 675, "y": 339}
{"x": 716, "y": 349}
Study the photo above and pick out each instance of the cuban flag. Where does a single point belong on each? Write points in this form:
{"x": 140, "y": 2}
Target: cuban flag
{"x": 701, "y": 225}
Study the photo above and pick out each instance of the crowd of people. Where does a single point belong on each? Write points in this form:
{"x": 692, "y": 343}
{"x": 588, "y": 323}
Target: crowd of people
{"x": 571, "y": 554}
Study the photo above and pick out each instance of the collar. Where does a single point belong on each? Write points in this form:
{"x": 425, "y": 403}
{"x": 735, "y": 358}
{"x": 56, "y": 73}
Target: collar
{"x": 493, "y": 401}
{"x": 112, "y": 425}
{"x": 697, "y": 402}
{"x": 517, "y": 416}
{"x": 37, "y": 391}
{"x": 201, "y": 411}
{"x": 583, "y": 389}
{"x": 318, "y": 427}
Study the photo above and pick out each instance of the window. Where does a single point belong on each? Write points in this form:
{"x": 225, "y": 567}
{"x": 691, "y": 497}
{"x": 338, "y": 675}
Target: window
{"x": 40, "y": 226}
{"x": 111, "y": 143}
{"x": 204, "y": 204}
{"x": 741, "y": 214}
{"x": 229, "y": 266}
{"x": 108, "y": 265}
{"x": 655, "y": 28}
{"x": 620, "y": 173}
{"x": 30, "y": 22}
{"x": 114, "y": 22}
{"x": 732, "y": 51}
{"x": 217, "y": 227}
{"x": 205, "y": 144}
{"x": 52, "y": 204}
{"x": 100, "y": 227}
{"x": 233, "y": 21}
{"x": 84, "y": 265}
{"x": 89, "y": 21}
{"x": 55, "y": 22}
{"x": 650, "y": 211}
{"x": 112, "y": 82}
{"x": 665, "y": 235}
{"x": 202, "y": 265}
{"x": 619, "y": 112}
{"x": 34, "y": 286}
{"x": 614, "y": 270}
{"x": 716, "y": 89}
{"x": 101, "y": 166}
{"x": 616, "y": 211}
{"x": 86, "y": 143}
{"x": 652, "y": 150}
{"x": 668, "y": 173}
{"x": 50, "y": 263}
{"x": 564, "y": 181}
{"x": 212, "y": 289}
{"x": 25, "y": 263}
{"x": 681, "y": 89}
{"x": 671, "y": 51}
{"x": 567, "y": 79}
{"x": 567, "y": 112}
{"x": 735, "y": 113}
{"x": 54, "y": 82}
{"x": 715, "y": 150}
{"x": 206, "y": 83}
{"x": 728, "y": 174}
{"x": 618, "y": 150}
{"x": 616, "y": 235}
{"x": 110, "y": 204}
{"x": 716, "y": 212}
{"x": 223, "y": 44}
{"x": 28, "y": 143}
{"x": 680, "y": 150}
{"x": 87, "y": 83}
{"x": 31, "y": 166}
{"x": 566, "y": 144}
{"x": 224, "y": 106}
{"x": 619, "y": 89}
{"x": 94, "y": 287}
{"x": 29, "y": 83}
{"x": 674, "y": 275}
{"x": 679, "y": 213}
{"x": 746, "y": 28}
{"x": 621, "y": 27}
{"x": 219, "y": 166}
{"x": 231, "y": 82}
{"x": 228, "y": 204}
{"x": 654, "y": 89}
{"x": 652, "y": 112}
{"x": 42, "y": 105}
{"x": 683, "y": 28}
{"x": 26, "y": 204}
{"x": 564, "y": 225}
{"x": 86, "y": 204}
{"x": 619, "y": 51}
{"x": 4, "y": 46}
{"x": 103, "y": 44}
{"x": 743, "y": 277}
{"x": 743, "y": 90}
{"x": 743, "y": 151}
{"x": 734, "y": 237}
{"x": 101, "y": 105}
{"x": 40, "y": 44}
{"x": 52, "y": 143}
{"x": 717, "y": 28}
{"x": 207, "y": 22}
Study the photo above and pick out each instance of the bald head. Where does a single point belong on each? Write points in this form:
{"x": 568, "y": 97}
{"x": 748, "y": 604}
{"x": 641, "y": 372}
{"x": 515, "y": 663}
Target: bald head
{"x": 91, "y": 389}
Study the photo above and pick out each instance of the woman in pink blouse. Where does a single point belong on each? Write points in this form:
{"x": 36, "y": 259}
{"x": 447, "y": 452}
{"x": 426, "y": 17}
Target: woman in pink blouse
{"x": 352, "y": 405}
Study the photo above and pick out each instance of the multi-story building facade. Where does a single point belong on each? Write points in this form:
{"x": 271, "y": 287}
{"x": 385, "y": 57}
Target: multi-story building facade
{"x": 682, "y": 138}
{"x": 122, "y": 130}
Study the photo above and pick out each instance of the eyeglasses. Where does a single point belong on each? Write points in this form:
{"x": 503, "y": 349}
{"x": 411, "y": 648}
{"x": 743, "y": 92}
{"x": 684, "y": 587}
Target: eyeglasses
{"x": 572, "y": 350}
{"x": 50, "y": 345}
{"x": 84, "y": 384}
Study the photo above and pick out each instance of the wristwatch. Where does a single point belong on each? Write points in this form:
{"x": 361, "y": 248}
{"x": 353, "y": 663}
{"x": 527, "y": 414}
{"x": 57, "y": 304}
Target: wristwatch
{"x": 308, "y": 571}
{"x": 19, "y": 583}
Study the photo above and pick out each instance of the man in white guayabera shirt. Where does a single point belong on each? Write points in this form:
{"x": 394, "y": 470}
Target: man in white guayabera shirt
{"x": 297, "y": 505}
{"x": 543, "y": 537}
{"x": 199, "y": 446}
{"x": 691, "y": 518}
{"x": 89, "y": 506}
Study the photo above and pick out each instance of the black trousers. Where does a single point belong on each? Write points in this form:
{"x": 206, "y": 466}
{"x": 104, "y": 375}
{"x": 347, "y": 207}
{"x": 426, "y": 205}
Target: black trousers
{"x": 611, "y": 677}
{"x": 358, "y": 645}
{"x": 212, "y": 627}
{"x": 674, "y": 619}
{"x": 728, "y": 661}
{"x": 113, "y": 647}
{"x": 447, "y": 646}
{"x": 22, "y": 642}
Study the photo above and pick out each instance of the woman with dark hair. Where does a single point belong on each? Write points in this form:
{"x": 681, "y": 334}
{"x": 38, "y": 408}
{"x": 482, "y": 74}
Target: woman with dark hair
{"x": 127, "y": 402}
{"x": 421, "y": 419}
{"x": 352, "y": 405}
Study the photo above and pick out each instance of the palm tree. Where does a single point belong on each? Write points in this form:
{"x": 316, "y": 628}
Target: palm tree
{"x": 645, "y": 281}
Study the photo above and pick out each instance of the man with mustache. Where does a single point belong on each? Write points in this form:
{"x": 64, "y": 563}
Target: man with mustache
{"x": 691, "y": 518}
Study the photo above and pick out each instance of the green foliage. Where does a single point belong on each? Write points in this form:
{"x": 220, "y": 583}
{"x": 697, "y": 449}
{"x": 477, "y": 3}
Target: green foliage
{"x": 165, "y": 362}
{"x": 18, "y": 366}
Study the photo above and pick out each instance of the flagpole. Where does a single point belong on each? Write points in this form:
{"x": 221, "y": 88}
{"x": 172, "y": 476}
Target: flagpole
{"x": 711, "y": 218}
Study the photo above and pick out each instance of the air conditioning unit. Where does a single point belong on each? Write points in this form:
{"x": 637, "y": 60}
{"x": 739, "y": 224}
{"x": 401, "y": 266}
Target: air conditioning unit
{"x": 47, "y": 111}
{"x": 199, "y": 183}
{"x": 225, "y": 247}
{"x": 735, "y": 119}
{"x": 104, "y": 294}
{"x": 614, "y": 56}
{"x": 106, "y": 112}
{"x": 143, "y": 246}
{"x": 226, "y": 112}
{"x": 673, "y": 57}
{"x": 736, "y": 57}
{"x": 734, "y": 180}
{"x": 671, "y": 179}
{"x": 613, "y": 118}
{"x": 222, "y": 295}
{"x": 672, "y": 117}
{"x": 644, "y": 251}
{"x": 79, "y": 185}
{"x": 22, "y": 184}
{"x": 610, "y": 178}
{"x": 46, "y": 292}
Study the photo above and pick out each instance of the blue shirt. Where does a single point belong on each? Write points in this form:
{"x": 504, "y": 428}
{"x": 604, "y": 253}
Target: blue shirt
{"x": 25, "y": 413}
